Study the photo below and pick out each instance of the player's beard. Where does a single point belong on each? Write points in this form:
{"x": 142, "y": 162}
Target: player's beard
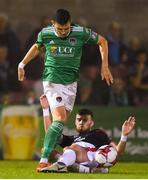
{"x": 81, "y": 129}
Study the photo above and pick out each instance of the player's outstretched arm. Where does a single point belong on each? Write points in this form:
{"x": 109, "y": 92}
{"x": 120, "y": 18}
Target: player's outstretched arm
{"x": 105, "y": 71}
{"x": 32, "y": 53}
{"x": 127, "y": 128}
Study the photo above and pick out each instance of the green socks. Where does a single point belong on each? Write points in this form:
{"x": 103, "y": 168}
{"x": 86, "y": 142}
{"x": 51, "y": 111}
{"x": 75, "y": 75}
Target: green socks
{"x": 52, "y": 136}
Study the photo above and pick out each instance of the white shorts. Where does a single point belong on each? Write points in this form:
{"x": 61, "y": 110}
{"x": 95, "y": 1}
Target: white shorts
{"x": 90, "y": 149}
{"x": 60, "y": 95}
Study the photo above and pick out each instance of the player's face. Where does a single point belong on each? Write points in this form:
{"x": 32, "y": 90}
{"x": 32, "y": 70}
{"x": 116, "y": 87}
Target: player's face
{"x": 62, "y": 30}
{"x": 83, "y": 122}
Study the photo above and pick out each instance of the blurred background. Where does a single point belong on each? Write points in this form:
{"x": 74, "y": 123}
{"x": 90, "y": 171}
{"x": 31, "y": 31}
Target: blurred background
{"x": 125, "y": 26}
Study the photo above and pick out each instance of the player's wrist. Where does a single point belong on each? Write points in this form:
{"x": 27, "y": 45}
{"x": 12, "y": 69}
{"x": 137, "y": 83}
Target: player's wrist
{"x": 45, "y": 112}
{"x": 21, "y": 65}
{"x": 104, "y": 63}
{"x": 123, "y": 138}
{"x": 104, "y": 67}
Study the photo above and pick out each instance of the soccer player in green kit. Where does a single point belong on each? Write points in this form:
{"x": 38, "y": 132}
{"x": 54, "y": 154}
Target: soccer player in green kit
{"x": 63, "y": 44}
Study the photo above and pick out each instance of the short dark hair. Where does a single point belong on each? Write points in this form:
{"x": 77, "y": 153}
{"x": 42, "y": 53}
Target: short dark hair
{"x": 85, "y": 112}
{"x": 62, "y": 16}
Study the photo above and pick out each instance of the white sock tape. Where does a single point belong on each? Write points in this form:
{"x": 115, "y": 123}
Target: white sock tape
{"x": 46, "y": 112}
{"x": 21, "y": 65}
{"x": 123, "y": 138}
{"x": 84, "y": 169}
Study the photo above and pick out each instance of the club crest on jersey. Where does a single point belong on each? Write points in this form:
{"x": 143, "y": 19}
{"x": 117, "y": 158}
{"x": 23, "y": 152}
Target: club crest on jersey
{"x": 72, "y": 41}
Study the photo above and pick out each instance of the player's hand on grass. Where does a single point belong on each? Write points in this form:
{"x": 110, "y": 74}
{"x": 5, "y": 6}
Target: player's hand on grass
{"x": 106, "y": 75}
{"x": 21, "y": 74}
{"x": 128, "y": 125}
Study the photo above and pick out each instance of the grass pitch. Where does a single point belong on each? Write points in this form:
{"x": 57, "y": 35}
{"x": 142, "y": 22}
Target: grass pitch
{"x": 26, "y": 170}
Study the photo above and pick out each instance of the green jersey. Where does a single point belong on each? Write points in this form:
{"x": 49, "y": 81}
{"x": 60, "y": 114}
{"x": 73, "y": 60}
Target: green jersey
{"x": 63, "y": 55}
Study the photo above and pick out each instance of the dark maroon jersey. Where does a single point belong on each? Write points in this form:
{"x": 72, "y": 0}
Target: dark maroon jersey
{"x": 97, "y": 137}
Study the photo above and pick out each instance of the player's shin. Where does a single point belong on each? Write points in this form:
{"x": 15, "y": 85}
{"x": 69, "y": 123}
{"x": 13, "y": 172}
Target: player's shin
{"x": 80, "y": 168}
{"x": 52, "y": 136}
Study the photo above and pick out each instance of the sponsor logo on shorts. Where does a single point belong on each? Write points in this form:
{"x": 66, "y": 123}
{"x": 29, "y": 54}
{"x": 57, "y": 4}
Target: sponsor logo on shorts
{"x": 59, "y": 99}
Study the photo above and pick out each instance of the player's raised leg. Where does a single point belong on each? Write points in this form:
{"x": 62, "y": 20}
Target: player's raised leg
{"x": 52, "y": 135}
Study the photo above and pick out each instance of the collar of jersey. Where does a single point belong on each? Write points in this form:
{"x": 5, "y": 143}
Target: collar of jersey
{"x": 57, "y": 34}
